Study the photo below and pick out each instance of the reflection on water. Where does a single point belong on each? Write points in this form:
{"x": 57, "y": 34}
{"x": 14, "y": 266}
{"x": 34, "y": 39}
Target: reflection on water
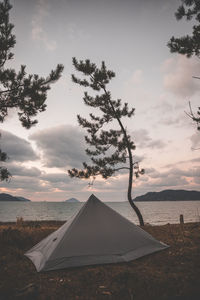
{"x": 155, "y": 213}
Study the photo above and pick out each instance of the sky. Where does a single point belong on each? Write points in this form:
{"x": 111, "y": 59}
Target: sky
{"x": 131, "y": 36}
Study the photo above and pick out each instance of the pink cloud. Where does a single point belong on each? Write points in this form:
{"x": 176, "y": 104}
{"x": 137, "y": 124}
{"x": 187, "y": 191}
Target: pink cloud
{"x": 178, "y": 78}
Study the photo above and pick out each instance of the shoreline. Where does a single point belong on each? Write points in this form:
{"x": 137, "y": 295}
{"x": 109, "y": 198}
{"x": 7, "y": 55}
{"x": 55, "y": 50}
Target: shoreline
{"x": 45, "y": 201}
{"x": 26, "y": 223}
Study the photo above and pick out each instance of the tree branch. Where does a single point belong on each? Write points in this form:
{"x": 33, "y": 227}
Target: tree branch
{"x": 122, "y": 168}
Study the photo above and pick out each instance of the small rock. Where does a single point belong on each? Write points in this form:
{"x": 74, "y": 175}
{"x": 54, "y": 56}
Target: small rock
{"x": 30, "y": 292}
{"x": 106, "y": 293}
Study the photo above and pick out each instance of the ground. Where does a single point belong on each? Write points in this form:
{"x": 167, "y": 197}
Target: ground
{"x": 172, "y": 274}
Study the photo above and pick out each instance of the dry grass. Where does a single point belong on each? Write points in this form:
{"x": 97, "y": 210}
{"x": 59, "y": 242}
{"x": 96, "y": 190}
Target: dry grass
{"x": 168, "y": 275}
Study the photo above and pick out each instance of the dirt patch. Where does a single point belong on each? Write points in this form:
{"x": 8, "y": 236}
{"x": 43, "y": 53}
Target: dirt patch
{"x": 172, "y": 274}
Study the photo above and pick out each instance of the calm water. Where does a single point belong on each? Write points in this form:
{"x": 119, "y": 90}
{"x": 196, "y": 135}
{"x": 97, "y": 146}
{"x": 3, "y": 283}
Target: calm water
{"x": 155, "y": 213}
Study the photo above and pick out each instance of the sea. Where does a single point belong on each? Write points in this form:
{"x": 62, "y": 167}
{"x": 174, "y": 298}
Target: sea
{"x": 154, "y": 213}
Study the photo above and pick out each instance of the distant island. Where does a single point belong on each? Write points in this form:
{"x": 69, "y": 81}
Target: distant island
{"x": 9, "y": 198}
{"x": 170, "y": 195}
{"x": 72, "y": 200}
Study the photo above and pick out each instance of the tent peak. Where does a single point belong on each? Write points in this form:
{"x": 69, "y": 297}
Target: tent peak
{"x": 93, "y": 199}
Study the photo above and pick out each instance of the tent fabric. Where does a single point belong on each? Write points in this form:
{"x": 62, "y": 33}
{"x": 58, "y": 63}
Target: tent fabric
{"x": 96, "y": 234}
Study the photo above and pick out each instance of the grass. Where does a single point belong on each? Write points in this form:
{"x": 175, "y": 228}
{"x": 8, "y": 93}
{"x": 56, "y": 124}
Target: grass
{"x": 172, "y": 274}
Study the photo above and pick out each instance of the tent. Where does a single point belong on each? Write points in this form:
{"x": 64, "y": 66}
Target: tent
{"x": 96, "y": 234}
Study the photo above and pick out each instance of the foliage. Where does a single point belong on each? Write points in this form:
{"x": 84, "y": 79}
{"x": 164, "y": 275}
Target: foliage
{"x": 188, "y": 45}
{"x": 4, "y": 173}
{"x": 109, "y": 149}
{"x": 195, "y": 118}
{"x": 18, "y": 90}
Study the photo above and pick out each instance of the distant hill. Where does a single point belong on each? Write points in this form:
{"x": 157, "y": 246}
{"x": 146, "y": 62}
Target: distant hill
{"x": 170, "y": 195}
{"x": 72, "y": 200}
{"x": 23, "y": 199}
{"x": 8, "y": 197}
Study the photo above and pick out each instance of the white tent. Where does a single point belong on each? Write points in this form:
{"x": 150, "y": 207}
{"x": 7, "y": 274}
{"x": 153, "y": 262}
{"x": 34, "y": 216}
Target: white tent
{"x": 95, "y": 235}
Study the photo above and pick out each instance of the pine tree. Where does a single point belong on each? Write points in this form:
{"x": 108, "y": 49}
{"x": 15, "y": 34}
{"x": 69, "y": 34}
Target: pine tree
{"x": 109, "y": 149}
{"x": 188, "y": 45}
{"x": 26, "y": 93}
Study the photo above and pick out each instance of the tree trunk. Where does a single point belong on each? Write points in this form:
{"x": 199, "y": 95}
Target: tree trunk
{"x": 136, "y": 209}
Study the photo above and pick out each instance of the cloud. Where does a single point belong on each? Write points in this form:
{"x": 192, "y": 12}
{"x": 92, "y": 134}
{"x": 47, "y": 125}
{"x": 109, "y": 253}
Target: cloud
{"x": 61, "y": 146}
{"x": 164, "y": 106}
{"x": 178, "y": 76}
{"x": 61, "y": 182}
{"x": 75, "y": 33}
{"x": 153, "y": 180}
{"x": 38, "y": 31}
{"x": 189, "y": 162}
{"x": 56, "y": 177}
{"x": 174, "y": 178}
{"x": 18, "y": 149}
{"x": 137, "y": 77}
{"x": 19, "y": 170}
{"x": 191, "y": 172}
{"x": 173, "y": 121}
{"x": 46, "y": 186}
{"x": 143, "y": 140}
{"x": 195, "y": 140}
{"x": 31, "y": 184}
{"x": 58, "y": 186}
{"x": 170, "y": 181}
